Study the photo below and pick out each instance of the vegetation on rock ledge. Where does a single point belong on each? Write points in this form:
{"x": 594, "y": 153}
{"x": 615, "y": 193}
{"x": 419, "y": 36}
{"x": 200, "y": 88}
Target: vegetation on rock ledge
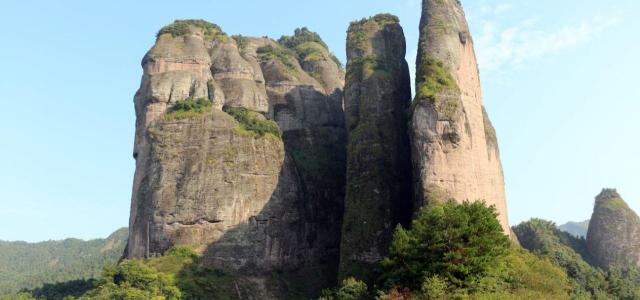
{"x": 308, "y": 46}
{"x": 253, "y": 122}
{"x": 188, "y": 108}
{"x": 436, "y": 79}
{"x": 357, "y": 30}
{"x": 280, "y": 55}
{"x": 182, "y": 27}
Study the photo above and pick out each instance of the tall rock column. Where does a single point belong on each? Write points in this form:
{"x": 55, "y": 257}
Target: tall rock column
{"x": 454, "y": 147}
{"x": 377, "y": 95}
{"x": 614, "y": 232}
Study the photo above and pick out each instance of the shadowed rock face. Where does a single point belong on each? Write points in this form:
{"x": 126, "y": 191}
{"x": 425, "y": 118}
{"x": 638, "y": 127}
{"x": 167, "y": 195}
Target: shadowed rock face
{"x": 248, "y": 203}
{"x": 454, "y": 147}
{"x": 614, "y": 232}
{"x": 377, "y": 95}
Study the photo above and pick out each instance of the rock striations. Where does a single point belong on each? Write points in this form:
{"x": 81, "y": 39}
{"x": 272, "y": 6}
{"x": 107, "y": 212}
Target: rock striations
{"x": 251, "y": 201}
{"x": 454, "y": 147}
{"x": 614, "y": 232}
{"x": 377, "y": 95}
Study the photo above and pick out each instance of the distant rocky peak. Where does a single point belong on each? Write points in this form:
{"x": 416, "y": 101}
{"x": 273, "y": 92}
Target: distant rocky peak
{"x": 614, "y": 231}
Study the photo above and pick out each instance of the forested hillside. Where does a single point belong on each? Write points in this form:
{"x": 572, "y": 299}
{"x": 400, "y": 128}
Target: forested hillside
{"x": 30, "y": 265}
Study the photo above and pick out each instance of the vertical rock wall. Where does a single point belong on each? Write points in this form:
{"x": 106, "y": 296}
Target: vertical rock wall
{"x": 454, "y": 147}
{"x": 248, "y": 203}
{"x": 377, "y": 95}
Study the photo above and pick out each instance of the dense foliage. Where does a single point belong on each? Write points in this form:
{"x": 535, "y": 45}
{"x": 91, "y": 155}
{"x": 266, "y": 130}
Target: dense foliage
{"x": 545, "y": 240}
{"x": 457, "y": 251}
{"x": 188, "y": 108}
{"x": 458, "y": 243}
{"x": 254, "y": 123}
{"x": 31, "y": 265}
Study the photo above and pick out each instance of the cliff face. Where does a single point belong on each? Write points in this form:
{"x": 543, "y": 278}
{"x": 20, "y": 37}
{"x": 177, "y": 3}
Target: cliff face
{"x": 614, "y": 232}
{"x": 454, "y": 147}
{"x": 248, "y": 201}
{"x": 377, "y": 95}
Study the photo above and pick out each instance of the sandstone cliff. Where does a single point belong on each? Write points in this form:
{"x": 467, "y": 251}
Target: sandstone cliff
{"x": 208, "y": 176}
{"x": 613, "y": 237}
{"x": 377, "y": 95}
{"x": 454, "y": 147}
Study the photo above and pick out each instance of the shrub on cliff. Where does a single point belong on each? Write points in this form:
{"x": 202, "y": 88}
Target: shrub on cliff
{"x": 254, "y": 122}
{"x": 188, "y": 108}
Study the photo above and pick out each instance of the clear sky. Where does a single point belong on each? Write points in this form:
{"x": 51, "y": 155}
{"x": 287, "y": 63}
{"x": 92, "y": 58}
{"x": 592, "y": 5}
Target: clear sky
{"x": 560, "y": 81}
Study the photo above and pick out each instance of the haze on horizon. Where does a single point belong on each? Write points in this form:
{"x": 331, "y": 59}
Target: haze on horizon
{"x": 558, "y": 82}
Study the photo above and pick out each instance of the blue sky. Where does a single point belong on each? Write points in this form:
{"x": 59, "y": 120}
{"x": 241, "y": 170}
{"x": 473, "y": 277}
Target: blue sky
{"x": 559, "y": 80}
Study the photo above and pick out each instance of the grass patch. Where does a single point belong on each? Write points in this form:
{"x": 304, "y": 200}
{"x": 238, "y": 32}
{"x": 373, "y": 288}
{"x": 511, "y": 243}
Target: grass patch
{"x": 212, "y": 31}
{"x": 280, "y": 55}
{"x": 188, "y": 108}
{"x": 254, "y": 123}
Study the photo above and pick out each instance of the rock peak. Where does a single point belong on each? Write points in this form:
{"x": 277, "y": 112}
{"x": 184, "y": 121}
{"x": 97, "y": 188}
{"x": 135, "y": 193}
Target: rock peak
{"x": 454, "y": 145}
{"x": 607, "y": 194}
{"x": 613, "y": 237}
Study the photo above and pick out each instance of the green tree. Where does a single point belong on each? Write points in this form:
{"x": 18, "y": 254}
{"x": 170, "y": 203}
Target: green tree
{"x": 460, "y": 243}
{"x": 349, "y": 289}
{"x": 133, "y": 279}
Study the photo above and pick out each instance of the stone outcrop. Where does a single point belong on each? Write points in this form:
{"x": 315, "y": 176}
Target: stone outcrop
{"x": 614, "y": 232}
{"x": 454, "y": 147}
{"x": 249, "y": 202}
{"x": 377, "y": 95}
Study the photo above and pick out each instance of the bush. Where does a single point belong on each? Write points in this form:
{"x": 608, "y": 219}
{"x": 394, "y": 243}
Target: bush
{"x": 188, "y": 108}
{"x": 349, "y": 289}
{"x": 182, "y": 27}
{"x": 254, "y": 122}
{"x": 133, "y": 279}
{"x": 459, "y": 243}
{"x": 301, "y": 36}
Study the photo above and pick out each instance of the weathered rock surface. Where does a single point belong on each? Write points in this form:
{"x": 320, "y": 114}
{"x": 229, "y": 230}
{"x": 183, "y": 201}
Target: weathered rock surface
{"x": 614, "y": 232}
{"x": 377, "y": 95}
{"x": 454, "y": 147}
{"x": 250, "y": 204}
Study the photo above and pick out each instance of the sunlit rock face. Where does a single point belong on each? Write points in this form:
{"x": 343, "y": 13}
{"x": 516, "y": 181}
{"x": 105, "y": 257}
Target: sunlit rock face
{"x": 251, "y": 204}
{"x": 614, "y": 232}
{"x": 377, "y": 96}
{"x": 454, "y": 146}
